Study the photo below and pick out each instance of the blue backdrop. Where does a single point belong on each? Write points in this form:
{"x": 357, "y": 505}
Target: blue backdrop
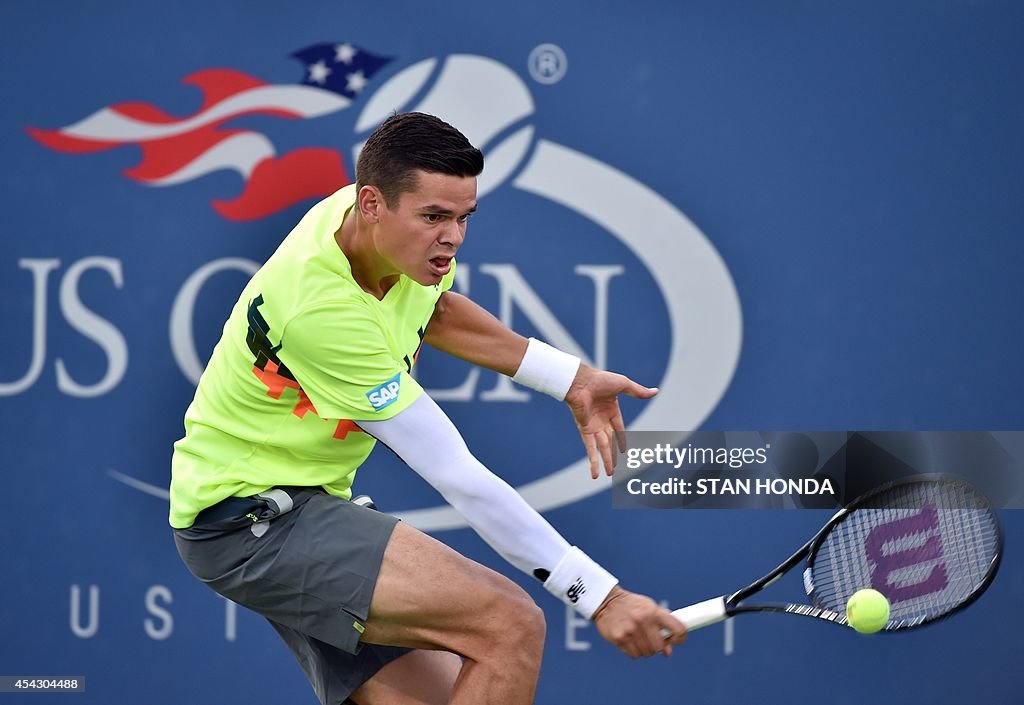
{"x": 788, "y": 215}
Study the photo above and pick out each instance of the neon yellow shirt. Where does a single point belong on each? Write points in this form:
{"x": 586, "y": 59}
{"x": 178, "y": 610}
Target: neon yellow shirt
{"x": 304, "y": 351}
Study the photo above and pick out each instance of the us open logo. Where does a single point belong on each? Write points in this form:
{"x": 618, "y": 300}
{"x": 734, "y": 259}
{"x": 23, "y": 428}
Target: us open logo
{"x": 493, "y": 106}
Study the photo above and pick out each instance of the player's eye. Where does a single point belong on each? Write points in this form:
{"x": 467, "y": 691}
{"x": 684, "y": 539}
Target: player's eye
{"x": 464, "y": 218}
{"x": 432, "y": 218}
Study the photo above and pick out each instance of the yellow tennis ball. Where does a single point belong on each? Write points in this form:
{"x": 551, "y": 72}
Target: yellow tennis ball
{"x": 867, "y": 611}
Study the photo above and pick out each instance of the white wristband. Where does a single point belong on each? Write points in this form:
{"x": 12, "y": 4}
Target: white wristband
{"x": 547, "y": 369}
{"x": 580, "y": 582}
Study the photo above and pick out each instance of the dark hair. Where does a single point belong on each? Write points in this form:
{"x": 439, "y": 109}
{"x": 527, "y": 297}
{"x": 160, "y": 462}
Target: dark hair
{"x": 410, "y": 142}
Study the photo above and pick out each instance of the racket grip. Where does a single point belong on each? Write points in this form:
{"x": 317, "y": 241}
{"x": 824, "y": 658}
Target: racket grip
{"x": 702, "y": 614}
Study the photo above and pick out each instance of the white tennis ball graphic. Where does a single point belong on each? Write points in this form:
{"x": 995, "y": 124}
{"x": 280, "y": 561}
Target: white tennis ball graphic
{"x": 481, "y": 97}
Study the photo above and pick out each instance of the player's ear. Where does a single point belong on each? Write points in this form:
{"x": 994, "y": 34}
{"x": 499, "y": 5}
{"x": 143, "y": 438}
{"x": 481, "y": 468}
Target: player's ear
{"x": 370, "y": 201}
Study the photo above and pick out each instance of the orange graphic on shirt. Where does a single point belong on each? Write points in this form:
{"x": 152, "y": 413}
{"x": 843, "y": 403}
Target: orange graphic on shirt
{"x": 276, "y": 383}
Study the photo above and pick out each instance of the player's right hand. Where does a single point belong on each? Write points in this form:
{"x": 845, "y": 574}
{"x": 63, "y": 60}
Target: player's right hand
{"x": 635, "y": 624}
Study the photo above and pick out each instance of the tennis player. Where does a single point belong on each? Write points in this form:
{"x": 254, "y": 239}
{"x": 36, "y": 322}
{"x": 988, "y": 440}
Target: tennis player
{"x": 313, "y": 368}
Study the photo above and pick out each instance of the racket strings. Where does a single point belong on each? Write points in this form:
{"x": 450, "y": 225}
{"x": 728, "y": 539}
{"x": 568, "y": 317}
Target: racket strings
{"x": 927, "y": 546}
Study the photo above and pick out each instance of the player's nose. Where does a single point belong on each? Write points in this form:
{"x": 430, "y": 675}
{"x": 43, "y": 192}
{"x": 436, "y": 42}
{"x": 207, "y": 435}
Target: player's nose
{"x": 453, "y": 234}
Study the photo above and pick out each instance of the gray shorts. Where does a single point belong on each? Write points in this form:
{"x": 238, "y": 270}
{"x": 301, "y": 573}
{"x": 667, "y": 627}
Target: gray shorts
{"x": 308, "y": 562}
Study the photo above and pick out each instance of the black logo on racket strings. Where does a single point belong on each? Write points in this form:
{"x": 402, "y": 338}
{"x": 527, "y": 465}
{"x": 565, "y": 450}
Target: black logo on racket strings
{"x": 575, "y": 590}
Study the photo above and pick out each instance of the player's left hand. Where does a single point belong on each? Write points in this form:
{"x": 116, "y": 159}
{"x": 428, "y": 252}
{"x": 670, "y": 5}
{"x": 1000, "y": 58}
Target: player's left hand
{"x": 594, "y": 400}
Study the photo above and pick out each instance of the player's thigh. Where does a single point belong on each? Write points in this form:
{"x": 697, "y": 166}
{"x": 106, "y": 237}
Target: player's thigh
{"x": 418, "y": 678}
{"x": 429, "y": 596}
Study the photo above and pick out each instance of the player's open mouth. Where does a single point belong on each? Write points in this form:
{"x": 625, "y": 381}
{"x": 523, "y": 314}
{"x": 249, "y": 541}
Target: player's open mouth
{"x": 441, "y": 265}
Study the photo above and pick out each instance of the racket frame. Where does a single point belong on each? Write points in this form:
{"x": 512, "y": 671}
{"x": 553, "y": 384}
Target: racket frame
{"x": 717, "y": 609}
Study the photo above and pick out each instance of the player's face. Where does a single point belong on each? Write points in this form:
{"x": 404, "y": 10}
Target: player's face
{"x": 421, "y": 233}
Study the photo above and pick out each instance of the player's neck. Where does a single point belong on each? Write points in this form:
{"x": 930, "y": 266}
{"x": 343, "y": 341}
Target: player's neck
{"x": 372, "y": 273}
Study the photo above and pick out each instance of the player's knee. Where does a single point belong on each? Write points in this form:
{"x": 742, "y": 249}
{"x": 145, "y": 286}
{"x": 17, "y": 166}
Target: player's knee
{"x": 505, "y": 618}
{"x": 524, "y": 637}
{"x": 521, "y": 624}
{"x": 534, "y": 628}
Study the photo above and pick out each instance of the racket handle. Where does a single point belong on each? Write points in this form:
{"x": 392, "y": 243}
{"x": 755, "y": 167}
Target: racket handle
{"x": 702, "y": 614}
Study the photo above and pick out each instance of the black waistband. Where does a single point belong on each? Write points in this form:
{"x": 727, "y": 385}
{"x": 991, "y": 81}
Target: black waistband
{"x": 235, "y": 512}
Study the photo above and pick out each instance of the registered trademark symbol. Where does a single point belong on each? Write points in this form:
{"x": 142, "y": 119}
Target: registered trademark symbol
{"x": 547, "y": 63}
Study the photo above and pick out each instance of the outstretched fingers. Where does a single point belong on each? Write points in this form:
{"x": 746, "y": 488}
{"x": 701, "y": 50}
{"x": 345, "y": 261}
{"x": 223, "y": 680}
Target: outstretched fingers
{"x": 638, "y": 391}
{"x": 593, "y": 452}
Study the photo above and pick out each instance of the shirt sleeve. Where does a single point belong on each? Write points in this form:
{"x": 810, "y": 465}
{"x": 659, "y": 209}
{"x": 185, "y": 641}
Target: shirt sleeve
{"x": 340, "y": 356}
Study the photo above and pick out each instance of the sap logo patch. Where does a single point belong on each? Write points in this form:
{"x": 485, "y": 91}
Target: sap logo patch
{"x": 385, "y": 393}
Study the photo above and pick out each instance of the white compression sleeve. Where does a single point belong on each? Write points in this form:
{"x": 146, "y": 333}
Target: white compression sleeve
{"x": 425, "y": 438}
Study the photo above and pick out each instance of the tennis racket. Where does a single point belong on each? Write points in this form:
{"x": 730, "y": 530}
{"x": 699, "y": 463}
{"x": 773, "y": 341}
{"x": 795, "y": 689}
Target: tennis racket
{"x": 930, "y": 544}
